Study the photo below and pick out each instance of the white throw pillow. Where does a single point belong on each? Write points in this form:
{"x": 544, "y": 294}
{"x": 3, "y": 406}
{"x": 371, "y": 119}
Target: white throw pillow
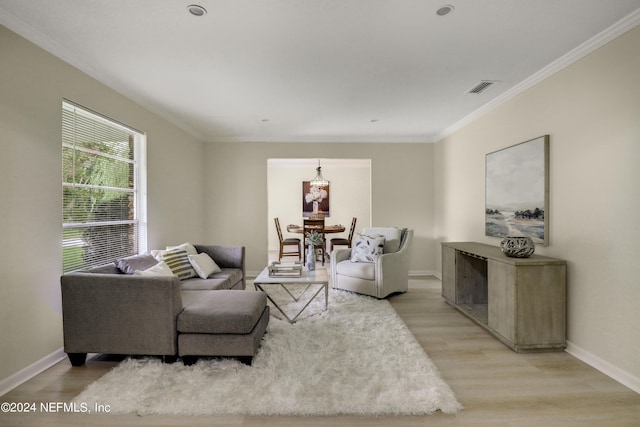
{"x": 366, "y": 248}
{"x": 160, "y": 269}
{"x": 158, "y": 253}
{"x": 187, "y": 247}
{"x": 204, "y": 265}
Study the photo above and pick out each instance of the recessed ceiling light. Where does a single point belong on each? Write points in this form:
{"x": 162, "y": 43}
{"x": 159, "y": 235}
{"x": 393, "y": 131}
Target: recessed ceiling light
{"x": 375, "y": 120}
{"x": 445, "y": 10}
{"x": 197, "y": 10}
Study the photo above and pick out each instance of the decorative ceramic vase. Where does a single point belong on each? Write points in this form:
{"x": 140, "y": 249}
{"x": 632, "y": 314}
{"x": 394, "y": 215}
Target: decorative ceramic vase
{"x": 311, "y": 258}
{"x": 517, "y": 246}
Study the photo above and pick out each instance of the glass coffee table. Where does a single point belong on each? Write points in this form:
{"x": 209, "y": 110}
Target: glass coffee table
{"x": 307, "y": 279}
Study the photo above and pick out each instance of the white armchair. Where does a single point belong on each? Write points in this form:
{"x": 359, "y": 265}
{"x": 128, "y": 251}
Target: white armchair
{"x": 388, "y": 274}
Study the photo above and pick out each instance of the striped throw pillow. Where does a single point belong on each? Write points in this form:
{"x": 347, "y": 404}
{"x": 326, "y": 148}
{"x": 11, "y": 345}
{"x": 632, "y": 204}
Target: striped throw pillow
{"x": 178, "y": 262}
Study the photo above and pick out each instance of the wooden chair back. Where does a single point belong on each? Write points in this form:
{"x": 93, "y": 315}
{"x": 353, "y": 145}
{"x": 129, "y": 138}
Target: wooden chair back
{"x": 278, "y": 229}
{"x": 291, "y": 242}
{"x": 352, "y": 229}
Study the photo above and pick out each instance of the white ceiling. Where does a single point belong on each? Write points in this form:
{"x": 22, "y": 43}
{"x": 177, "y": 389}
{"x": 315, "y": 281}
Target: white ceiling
{"x": 318, "y": 70}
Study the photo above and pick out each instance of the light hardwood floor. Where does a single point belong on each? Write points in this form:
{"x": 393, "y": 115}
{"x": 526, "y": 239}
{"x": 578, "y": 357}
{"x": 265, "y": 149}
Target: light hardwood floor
{"x": 496, "y": 386}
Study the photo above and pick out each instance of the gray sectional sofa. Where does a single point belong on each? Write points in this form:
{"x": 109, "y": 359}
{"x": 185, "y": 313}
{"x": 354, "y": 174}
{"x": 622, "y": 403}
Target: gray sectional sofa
{"x": 106, "y": 310}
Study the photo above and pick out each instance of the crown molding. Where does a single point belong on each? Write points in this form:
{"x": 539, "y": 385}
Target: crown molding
{"x": 328, "y": 139}
{"x": 613, "y": 32}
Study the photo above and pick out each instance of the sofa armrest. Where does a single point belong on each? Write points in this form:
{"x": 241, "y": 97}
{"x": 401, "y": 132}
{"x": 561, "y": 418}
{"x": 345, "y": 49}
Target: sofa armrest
{"x": 338, "y": 255}
{"x": 120, "y": 314}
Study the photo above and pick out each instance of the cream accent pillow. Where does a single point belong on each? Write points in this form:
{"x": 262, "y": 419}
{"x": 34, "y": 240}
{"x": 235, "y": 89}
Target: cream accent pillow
{"x": 160, "y": 269}
{"x": 158, "y": 254}
{"x": 187, "y": 247}
{"x": 204, "y": 265}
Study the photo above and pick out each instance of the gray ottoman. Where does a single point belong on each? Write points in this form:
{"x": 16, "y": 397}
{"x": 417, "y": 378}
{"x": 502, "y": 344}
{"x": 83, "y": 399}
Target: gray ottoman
{"x": 221, "y": 323}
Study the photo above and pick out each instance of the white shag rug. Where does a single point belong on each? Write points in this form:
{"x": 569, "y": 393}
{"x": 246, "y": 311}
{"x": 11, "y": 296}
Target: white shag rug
{"x": 358, "y": 358}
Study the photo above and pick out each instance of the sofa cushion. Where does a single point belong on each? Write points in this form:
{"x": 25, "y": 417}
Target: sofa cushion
{"x": 392, "y": 237}
{"x": 366, "y": 248}
{"x": 130, "y": 264}
{"x": 211, "y": 284}
{"x": 178, "y": 262}
{"x": 220, "y": 312}
{"x": 361, "y": 270}
{"x": 225, "y": 279}
{"x": 203, "y": 265}
{"x": 234, "y": 275}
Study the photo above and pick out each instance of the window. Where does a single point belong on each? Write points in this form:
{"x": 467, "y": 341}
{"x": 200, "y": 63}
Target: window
{"x": 103, "y": 187}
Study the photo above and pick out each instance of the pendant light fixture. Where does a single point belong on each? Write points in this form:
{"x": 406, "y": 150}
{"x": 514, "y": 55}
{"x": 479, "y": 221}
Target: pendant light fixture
{"x": 319, "y": 180}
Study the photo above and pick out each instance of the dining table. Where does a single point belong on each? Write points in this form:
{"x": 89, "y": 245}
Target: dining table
{"x": 337, "y": 228}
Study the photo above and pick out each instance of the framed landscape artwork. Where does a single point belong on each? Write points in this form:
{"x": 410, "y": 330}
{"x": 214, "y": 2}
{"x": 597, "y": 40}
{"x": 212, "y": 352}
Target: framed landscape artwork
{"x": 315, "y": 200}
{"x": 517, "y": 191}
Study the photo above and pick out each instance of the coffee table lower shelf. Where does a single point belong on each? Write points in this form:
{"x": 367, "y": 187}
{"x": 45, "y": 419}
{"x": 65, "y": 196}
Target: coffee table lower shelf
{"x": 307, "y": 279}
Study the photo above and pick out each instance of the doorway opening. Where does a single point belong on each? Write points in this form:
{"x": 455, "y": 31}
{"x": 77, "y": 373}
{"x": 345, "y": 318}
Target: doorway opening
{"x": 349, "y": 194}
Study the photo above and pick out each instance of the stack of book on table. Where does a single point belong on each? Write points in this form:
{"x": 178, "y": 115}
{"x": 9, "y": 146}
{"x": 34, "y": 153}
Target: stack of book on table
{"x": 285, "y": 269}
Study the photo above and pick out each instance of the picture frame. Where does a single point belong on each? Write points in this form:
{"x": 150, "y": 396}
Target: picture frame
{"x": 315, "y": 200}
{"x": 517, "y": 191}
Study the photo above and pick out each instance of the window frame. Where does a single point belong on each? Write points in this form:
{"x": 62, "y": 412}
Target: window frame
{"x": 139, "y": 190}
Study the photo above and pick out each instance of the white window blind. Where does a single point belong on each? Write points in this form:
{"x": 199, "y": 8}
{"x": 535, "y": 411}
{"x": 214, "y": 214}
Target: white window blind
{"x": 101, "y": 187}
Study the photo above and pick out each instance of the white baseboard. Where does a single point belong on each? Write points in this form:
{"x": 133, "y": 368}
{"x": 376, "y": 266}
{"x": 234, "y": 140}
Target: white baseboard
{"x": 252, "y": 274}
{"x": 413, "y": 273}
{"x": 31, "y": 371}
{"x": 623, "y": 377}
{"x": 422, "y": 273}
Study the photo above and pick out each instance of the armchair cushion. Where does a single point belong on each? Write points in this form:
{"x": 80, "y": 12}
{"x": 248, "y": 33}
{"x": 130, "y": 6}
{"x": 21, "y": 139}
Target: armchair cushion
{"x": 361, "y": 270}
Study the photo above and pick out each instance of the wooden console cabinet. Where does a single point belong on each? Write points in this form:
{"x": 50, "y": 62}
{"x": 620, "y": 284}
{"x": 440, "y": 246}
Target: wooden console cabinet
{"x": 521, "y": 301}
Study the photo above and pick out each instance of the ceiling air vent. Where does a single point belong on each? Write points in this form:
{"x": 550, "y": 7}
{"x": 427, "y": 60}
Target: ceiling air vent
{"x": 481, "y": 87}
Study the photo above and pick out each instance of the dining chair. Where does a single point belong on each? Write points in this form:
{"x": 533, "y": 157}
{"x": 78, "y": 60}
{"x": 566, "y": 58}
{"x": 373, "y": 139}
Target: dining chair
{"x": 341, "y": 241}
{"x": 291, "y": 242}
{"x": 318, "y": 226}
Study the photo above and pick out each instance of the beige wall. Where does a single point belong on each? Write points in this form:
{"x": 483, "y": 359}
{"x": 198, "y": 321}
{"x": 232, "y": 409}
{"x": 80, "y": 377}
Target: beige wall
{"x": 236, "y": 199}
{"x": 591, "y": 110}
{"x": 32, "y": 85}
